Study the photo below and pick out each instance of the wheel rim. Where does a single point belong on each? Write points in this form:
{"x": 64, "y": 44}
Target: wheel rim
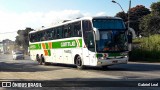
{"x": 38, "y": 59}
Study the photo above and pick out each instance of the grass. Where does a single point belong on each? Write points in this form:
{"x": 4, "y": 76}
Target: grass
{"x": 146, "y": 49}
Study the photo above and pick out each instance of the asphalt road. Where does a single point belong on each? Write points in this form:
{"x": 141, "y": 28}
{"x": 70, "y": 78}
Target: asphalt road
{"x": 28, "y": 70}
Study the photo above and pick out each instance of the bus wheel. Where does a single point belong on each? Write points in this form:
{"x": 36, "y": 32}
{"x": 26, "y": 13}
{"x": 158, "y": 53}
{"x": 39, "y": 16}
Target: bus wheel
{"x": 42, "y": 60}
{"x": 38, "y": 60}
{"x": 78, "y": 62}
{"x": 46, "y": 63}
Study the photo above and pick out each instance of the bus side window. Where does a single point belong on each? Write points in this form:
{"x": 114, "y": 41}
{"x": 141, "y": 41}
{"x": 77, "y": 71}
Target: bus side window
{"x": 53, "y": 33}
{"x": 31, "y": 37}
{"x": 60, "y": 32}
{"x": 86, "y": 25}
{"x": 36, "y": 38}
{"x": 49, "y": 34}
{"x": 42, "y": 38}
{"x": 65, "y": 31}
{"x": 57, "y": 35}
{"x": 72, "y": 30}
{"x": 88, "y": 35}
{"x": 77, "y": 29}
{"x": 69, "y": 31}
{"x": 39, "y": 37}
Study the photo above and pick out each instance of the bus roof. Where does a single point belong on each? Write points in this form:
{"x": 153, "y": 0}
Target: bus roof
{"x": 79, "y": 19}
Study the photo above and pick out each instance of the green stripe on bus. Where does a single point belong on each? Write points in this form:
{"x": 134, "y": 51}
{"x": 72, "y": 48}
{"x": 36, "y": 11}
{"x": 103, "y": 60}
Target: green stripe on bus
{"x": 80, "y": 41}
{"x": 47, "y": 46}
{"x": 99, "y": 55}
{"x": 40, "y": 46}
{"x": 57, "y": 45}
{"x": 49, "y": 52}
{"x": 66, "y": 44}
{"x": 34, "y": 46}
{"x": 114, "y": 54}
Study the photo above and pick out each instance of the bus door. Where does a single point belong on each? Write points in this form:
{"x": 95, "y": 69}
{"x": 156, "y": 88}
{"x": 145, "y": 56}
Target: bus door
{"x": 89, "y": 51}
{"x": 86, "y": 59}
{"x": 91, "y": 48}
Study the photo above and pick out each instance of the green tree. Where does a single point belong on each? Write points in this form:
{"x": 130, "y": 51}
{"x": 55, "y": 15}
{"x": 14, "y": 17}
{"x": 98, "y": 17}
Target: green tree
{"x": 155, "y": 8}
{"x": 136, "y": 13}
{"x": 22, "y": 38}
{"x": 150, "y": 24}
{"x": 122, "y": 15}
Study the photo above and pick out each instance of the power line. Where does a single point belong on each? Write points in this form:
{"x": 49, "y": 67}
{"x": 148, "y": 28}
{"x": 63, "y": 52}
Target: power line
{"x": 8, "y": 32}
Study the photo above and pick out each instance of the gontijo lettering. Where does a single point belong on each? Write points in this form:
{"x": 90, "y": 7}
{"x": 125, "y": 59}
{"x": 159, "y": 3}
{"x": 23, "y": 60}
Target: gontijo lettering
{"x": 67, "y": 44}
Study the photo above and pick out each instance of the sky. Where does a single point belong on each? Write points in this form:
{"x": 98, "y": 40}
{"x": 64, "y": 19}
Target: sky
{"x": 19, "y": 14}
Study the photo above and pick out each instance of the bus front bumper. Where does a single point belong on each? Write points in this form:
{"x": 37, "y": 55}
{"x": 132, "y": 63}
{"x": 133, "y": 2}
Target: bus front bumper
{"x": 112, "y": 61}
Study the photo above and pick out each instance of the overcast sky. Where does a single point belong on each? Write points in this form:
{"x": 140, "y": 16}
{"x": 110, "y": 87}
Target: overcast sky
{"x": 19, "y": 14}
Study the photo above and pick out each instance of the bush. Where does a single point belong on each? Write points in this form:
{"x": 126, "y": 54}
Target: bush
{"x": 146, "y": 49}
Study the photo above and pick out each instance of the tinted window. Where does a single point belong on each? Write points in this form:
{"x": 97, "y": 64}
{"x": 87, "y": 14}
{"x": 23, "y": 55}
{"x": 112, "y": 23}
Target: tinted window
{"x": 86, "y": 28}
{"x": 86, "y": 25}
{"x": 66, "y": 31}
{"x": 108, "y": 24}
{"x": 77, "y": 29}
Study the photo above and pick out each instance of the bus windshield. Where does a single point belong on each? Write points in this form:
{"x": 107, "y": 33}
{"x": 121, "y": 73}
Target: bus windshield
{"x": 108, "y": 24}
{"x": 112, "y": 35}
{"x": 112, "y": 41}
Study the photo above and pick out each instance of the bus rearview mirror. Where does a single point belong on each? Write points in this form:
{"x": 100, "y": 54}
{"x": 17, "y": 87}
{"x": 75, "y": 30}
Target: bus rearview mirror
{"x": 97, "y": 36}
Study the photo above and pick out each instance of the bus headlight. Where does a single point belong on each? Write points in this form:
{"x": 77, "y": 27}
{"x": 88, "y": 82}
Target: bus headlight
{"x": 125, "y": 56}
{"x": 102, "y": 58}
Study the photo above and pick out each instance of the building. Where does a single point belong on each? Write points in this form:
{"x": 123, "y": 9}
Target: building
{"x": 1, "y": 47}
{"x": 7, "y": 46}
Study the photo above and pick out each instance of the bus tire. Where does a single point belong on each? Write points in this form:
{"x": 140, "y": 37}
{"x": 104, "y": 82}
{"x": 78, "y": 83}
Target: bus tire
{"x": 78, "y": 62}
{"x": 45, "y": 63}
{"x": 38, "y": 59}
{"x": 42, "y": 61}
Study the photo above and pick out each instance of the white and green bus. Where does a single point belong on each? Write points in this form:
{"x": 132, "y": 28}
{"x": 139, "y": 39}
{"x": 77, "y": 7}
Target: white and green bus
{"x": 88, "y": 41}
